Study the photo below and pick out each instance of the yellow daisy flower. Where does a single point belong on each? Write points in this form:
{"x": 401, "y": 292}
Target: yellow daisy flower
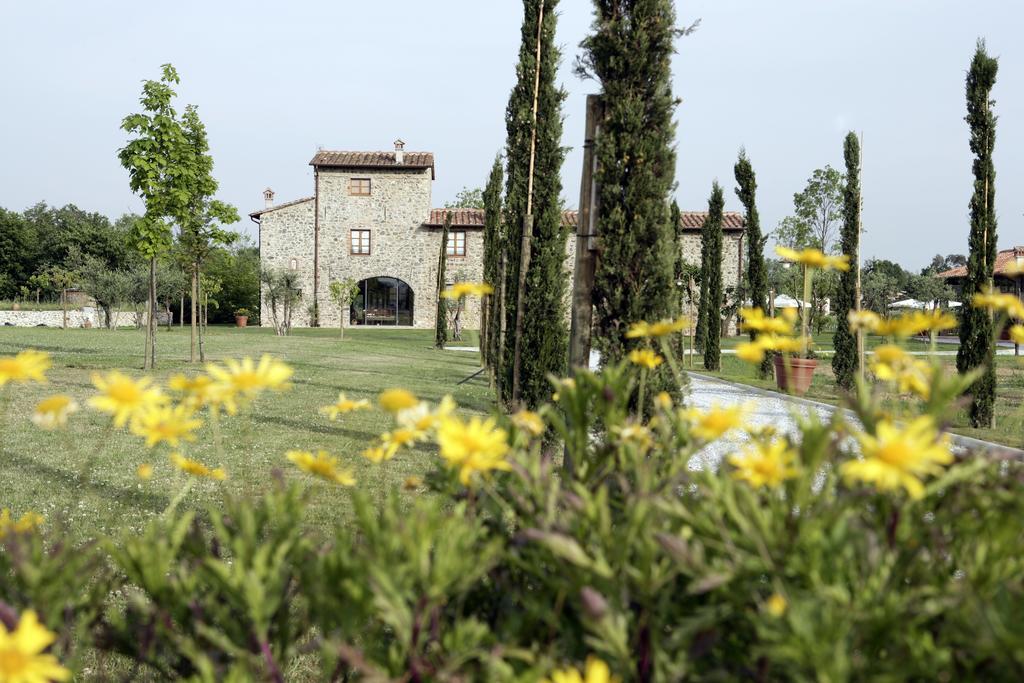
{"x": 344, "y": 405}
{"x": 28, "y": 366}
{"x": 636, "y": 434}
{"x": 463, "y": 289}
{"x": 645, "y": 358}
{"x": 529, "y": 422}
{"x": 659, "y": 329}
{"x": 896, "y": 457}
{"x": 412, "y": 482}
{"x": 53, "y": 412}
{"x": 248, "y": 378}
{"x": 863, "y": 320}
{"x": 664, "y": 400}
{"x": 144, "y": 471}
{"x": 163, "y": 423}
{"x": 22, "y": 658}
{"x": 477, "y": 446}
{"x": 714, "y": 423}
{"x": 750, "y": 352}
{"x": 776, "y": 605}
{"x": 323, "y": 465}
{"x": 755, "y": 320}
{"x": 1017, "y": 334}
{"x": 396, "y": 400}
{"x": 595, "y": 671}
{"x": 765, "y": 464}
{"x": 422, "y": 419}
{"x": 399, "y": 437}
{"x": 122, "y": 396}
{"x": 30, "y": 521}
{"x": 814, "y": 258}
{"x": 1005, "y": 303}
{"x": 378, "y": 454}
{"x": 196, "y": 468}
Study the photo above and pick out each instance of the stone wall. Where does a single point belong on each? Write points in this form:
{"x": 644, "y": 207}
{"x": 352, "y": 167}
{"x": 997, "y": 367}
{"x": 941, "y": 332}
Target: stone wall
{"x": 77, "y": 317}
{"x": 286, "y": 243}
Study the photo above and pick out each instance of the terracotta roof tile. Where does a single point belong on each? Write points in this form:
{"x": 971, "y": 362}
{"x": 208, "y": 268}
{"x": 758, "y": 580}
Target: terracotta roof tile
{"x": 336, "y": 159}
{"x": 461, "y": 218}
{"x": 1003, "y": 259}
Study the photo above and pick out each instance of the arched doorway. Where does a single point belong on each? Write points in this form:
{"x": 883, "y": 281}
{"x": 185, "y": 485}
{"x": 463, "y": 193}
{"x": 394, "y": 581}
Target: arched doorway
{"x": 382, "y": 301}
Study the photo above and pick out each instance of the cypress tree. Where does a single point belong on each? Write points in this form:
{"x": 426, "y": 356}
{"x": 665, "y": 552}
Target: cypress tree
{"x": 713, "y": 308}
{"x": 757, "y": 273}
{"x": 844, "y": 361}
{"x": 679, "y": 267}
{"x": 977, "y": 346}
{"x": 493, "y": 246}
{"x": 630, "y": 52}
{"x": 441, "y": 316}
{"x": 701, "y": 333}
{"x": 545, "y": 338}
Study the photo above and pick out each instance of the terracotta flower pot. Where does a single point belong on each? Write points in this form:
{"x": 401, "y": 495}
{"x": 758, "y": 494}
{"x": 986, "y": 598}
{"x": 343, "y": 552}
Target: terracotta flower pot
{"x": 793, "y": 375}
{"x": 241, "y": 320}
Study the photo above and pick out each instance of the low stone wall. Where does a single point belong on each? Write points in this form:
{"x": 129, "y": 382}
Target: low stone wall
{"x": 77, "y": 317}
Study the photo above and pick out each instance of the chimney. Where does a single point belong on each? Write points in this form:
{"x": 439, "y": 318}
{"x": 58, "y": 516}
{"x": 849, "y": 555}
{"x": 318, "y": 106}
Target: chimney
{"x": 268, "y": 198}
{"x": 399, "y": 151}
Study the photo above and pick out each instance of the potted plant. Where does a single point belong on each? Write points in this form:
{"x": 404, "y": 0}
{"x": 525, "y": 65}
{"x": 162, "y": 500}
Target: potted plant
{"x": 795, "y": 365}
{"x": 242, "y": 317}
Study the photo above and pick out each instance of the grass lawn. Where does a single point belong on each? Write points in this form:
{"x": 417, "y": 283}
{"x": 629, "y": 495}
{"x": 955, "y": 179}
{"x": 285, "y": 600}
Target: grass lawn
{"x": 1009, "y": 405}
{"x": 42, "y": 470}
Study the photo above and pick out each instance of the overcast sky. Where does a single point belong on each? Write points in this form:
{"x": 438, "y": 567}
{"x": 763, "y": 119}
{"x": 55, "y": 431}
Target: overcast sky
{"x": 275, "y": 80}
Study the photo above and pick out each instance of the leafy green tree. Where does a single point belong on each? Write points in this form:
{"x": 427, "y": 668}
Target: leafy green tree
{"x": 238, "y": 268}
{"x": 343, "y": 293}
{"x": 441, "y": 314}
{"x": 977, "y": 345}
{"x": 879, "y": 289}
{"x": 630, "y": 52}
{"x": 845, "y": 360}
{"x": 534, "y": 156}
{"x": 158, "y": 161}
{"x": 713, "y": 306}
{"x": 110, "y": 288}
{"x": 201, "y": 218}
{"x": 757, "y": 275}
{"x": 494, "y": 247}
{"x": 928, "y": 288}
{"x": 15, "y": 252}
{"x": 467, "y": 198}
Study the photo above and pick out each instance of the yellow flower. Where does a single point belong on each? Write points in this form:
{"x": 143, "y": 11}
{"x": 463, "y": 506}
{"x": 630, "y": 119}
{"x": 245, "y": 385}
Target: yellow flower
{"x": 421, "y": 419}
{"x": 645, "y": 358}
{"x": 196, "y": 468}
{"x": 659, "y": 329}
{"x": 247, "y": 378}
{"x": 27, "y": 366}
{"x": 378, "y": 454}
{"x": 402, "y": 436}
{"x": 897, "y": 457}
{"x": 323, "y": 465}
{"x": 412, "y": 483}
{"x": 765, "y": 464}
{"x": 344, "y": 405}
{"x": 1017, "y": 334}
{"x": 21, "y": 653}
{"x": 474, "y": 446}
{"x": 1005, "y": 303}
{"x": 396, "y": 400}
{"x": 159, "y": 423}
{"x": 814, "y": 258}
{"x": 529, "y": 422}
{"x": 890, "y": 363}
{"x": 29, "y": 521}
{"x": 144, "y": 471}
{"x": 664, "y": 400}
{"x": 863, "y": 320}
{"x": 53, "y": 412}
{"x": 198, "y": 391}
{"x": 635, "y": 434}
{"x": 462, "y": 289}
{"x": 776, "y": 605}
{"x": 714, "y": 423}
{"x": 777, "y": 342}
{"x": 933, "y": 321}
{"x": 122, "y": 396}
{"x": 564, "y": 383}
{"x": 595, "y": 671}
{"x": 751, "y": 352}
{"x": 755, "y": 320}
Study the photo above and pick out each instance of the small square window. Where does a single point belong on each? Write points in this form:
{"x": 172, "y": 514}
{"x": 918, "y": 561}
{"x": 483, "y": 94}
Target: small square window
{"x": 456, "y": 243}
{"x": 359, "y": 242}
{"x": 359, "y": 187}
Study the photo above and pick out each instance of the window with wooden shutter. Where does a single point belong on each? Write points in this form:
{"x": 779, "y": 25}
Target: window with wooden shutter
{"x": 359, "y": 242}
{"x": 359, "y": 187}
{"x": 456, "y": 243}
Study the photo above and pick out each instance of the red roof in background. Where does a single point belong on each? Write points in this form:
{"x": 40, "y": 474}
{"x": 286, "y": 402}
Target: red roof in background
{"x": 1004, "y": 258}
{"x": 332, "y": 159}
{"x": 461, "y": 218}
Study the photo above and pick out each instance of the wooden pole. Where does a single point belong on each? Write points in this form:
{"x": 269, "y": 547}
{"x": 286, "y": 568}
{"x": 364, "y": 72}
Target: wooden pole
{"x": 524, "y": 259}
{"x": 586, "y": 244}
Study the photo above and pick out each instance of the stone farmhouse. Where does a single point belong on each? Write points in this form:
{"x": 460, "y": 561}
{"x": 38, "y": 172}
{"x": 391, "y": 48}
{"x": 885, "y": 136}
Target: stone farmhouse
{"x": 371, "y": 219}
